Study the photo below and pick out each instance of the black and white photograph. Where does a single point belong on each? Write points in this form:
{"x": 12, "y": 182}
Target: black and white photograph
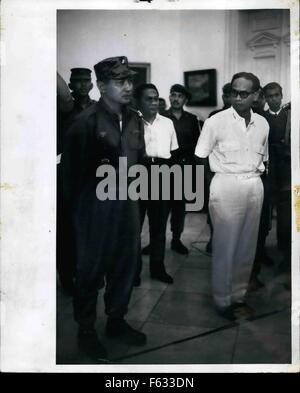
{"x": 130, "y": 101}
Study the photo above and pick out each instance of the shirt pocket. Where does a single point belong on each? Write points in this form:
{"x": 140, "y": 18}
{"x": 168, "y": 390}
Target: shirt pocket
{"x": 229, "y": 152}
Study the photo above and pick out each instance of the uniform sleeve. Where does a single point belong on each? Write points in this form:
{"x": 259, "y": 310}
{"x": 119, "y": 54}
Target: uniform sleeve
{"x": 206, "y": 140}
{"x": 196, "y": 131}
{"x": 174, "y": 142}
{"x": 73, "y": 159}
{"x": 266, "y": 146}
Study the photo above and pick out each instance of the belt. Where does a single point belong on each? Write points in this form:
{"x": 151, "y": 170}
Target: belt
{"x": 241, "y": 175}
{"x": 155, "y": 160}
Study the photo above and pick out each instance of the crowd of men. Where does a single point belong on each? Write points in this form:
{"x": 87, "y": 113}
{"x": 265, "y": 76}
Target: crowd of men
{"x": 245, "y": 151}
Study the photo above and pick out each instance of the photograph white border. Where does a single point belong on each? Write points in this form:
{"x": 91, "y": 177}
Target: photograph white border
{"x": 28, "y": 183}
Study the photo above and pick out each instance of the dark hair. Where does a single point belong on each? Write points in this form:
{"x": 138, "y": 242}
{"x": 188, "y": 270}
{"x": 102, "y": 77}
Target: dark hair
{"x": 249, "y": 76}
{"x": 141, "y": 88}
{"x": 226, "y": 89}
{"x": 271, "y": 86}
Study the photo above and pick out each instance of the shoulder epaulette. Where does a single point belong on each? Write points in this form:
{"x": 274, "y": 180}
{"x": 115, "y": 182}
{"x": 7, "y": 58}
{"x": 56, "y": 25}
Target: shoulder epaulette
{"x": 139, "y": 113}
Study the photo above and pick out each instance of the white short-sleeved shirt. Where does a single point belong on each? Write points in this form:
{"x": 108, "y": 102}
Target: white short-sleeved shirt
{"x": 231, "y": 146}
{"x": 160, "y": 137}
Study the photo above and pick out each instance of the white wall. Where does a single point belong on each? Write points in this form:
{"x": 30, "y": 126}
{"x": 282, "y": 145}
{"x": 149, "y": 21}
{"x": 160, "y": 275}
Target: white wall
{"x": 172, "y": 41}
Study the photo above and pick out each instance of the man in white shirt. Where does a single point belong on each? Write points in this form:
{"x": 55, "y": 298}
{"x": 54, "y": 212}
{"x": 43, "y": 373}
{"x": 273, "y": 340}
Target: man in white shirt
{"x": 236, "y": 142}
{"x": 160, "y": 142}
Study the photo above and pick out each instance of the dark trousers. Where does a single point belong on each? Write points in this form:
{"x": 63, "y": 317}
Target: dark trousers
{"x": 264, "y": 228}
{"x": 177, "y": 218}
{"x": 65, "y": 243}
{"x": 107, "y": 249}
{"x": 284, "y": 234}
{"x": 158, "y": 212}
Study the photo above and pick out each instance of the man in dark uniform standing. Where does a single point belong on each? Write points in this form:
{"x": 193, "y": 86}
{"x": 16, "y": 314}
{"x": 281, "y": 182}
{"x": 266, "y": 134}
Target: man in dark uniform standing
{"x": 106, "y": 231}
{"x": 187, "y": 132}
{"x": 279, "y": 119}
{"x": 80, "y": 86}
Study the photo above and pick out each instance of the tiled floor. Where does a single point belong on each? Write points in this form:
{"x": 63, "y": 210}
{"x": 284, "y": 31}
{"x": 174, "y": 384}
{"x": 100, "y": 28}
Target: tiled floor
{"x": 179, "y": 320}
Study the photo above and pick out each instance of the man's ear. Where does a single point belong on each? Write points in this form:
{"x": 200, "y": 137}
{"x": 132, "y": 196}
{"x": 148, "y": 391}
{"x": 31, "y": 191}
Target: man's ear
{"x": 255, "y": 95}
{"x": 101, "y": 86}
{"x": 91, "y": 86}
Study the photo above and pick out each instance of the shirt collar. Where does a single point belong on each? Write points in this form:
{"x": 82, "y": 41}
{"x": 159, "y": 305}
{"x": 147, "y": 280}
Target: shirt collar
{"x": 157, "y": 118}
{"x": 275, "y": 113}
{"x": 240, "y": 118}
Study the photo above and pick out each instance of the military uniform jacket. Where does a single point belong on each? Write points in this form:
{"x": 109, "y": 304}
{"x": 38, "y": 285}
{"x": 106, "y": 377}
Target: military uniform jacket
{"x": 187, "y": 132}
{"x": 102, "y": 228}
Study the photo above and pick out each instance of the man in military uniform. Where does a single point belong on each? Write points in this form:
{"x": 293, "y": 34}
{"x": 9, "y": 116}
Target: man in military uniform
{"x": 187, "y": 132}
{"x": 279, "y": 119}
{"x": 80, "y": 86}
{"x": 107, "y": 231}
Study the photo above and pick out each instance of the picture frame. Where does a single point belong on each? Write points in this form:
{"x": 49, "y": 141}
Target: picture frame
{"x": 202, "y": 85}
{"x": 143, "y": 71}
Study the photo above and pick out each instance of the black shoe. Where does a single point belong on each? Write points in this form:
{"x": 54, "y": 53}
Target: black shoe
{"x": 227, "y": 313}
{"x": 255, "y": 284}
{"x": 89, "y": 344}
{"x": 68, "y": 287}
{"x": 137, "y": 282}
{"x": 177, "y": 246}
{"x": 119, "y": 328}
{"x": 163, "y": 277}
{"x": 243, "y": 310}
{"x": 146, "y": 250}
{"x": 208, "y": 247}
{"x": 267, "y": 261}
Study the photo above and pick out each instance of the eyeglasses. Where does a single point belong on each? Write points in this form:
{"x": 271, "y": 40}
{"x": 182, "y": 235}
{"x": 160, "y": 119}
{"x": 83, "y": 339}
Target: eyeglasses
{"x": 243, "y": 94}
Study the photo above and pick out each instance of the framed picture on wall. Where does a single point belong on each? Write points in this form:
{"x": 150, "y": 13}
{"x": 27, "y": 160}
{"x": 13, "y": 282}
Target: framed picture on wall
{"x": 202, "y": 86}
{"x": 143, "y": 73}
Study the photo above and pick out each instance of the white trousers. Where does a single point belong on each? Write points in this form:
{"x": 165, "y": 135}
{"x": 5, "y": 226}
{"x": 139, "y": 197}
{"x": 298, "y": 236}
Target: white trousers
{"x": 235, "y": 204}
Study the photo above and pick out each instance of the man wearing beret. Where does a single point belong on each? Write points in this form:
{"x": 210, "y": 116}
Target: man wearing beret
{"x": 106, "y": 231}
{"x": 80, "y": 86}
{"x": 187, "y": 132}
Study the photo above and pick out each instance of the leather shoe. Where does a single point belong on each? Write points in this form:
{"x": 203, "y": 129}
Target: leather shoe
{"x": 243, "y": 310}
{"x": 267, "y": 261}
{"x": 146, "y": 250}
{"x": 89, "y": 344}
{"x": 137, "y": 281}
{"x": 119, "y": 328}
{"x": 227, "y": 313}
{"x": 177, "y": 246}
{"x": 208, "y": 247}
{"x": 255, "y": 284}
{"x": 163, "y": 277}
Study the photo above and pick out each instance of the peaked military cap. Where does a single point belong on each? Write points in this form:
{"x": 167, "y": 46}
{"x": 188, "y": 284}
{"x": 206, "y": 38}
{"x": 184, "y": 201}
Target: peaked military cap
{"x": 180, "y": 89}
{"x": 113, "y": 68}
{"x": 80, "y": 73}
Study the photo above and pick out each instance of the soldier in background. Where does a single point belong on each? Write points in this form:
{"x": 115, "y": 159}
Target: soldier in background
{"x": 259, "y": 103}
{"x": 279, "y": 119}
{"x": 80, "y": 86}
{"x": 78, "y": 100}
{"x": 261, "y": 256}
{"x": 162, "y": 106}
